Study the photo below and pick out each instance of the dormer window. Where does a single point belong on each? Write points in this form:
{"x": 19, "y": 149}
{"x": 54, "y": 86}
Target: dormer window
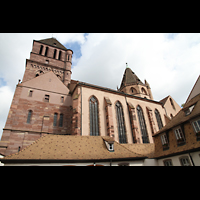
{"x": 189, "y": 110}
{"x": 109, "y": 145}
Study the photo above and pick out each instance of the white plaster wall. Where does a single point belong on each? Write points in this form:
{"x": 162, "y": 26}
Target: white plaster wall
{"x": 176, "y": 159}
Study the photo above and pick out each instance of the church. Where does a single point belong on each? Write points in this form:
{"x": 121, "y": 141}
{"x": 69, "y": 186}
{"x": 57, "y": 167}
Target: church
{"x": 54, "y": 117}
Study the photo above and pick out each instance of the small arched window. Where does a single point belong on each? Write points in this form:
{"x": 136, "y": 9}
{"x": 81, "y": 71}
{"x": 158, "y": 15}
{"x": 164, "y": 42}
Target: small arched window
{"x": 94, "y": 118}
{"x": 59, "y": 56}
{"x": 29, "y": 116}
{"x": 158, "y": 118}
{"x": 144, "y": 91}
{"x": 46, "y": 52}
{"x": 41, "y": 48}
{"x": 143, "y": 128}
{"x": 40, "y": 72}
{"x": 54, "y": 55}
{"x": 55, "y": 119}
{"x": 120, "y": 123}
{"x": 61, "y": 120}
{"x": 133, "y": 91}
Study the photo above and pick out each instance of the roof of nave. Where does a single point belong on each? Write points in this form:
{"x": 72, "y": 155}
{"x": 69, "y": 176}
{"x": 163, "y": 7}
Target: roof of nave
{"x": 69, "y": 147}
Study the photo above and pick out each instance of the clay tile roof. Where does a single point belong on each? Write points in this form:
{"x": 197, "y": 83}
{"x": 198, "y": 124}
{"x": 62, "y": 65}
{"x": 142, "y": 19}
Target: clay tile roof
{"x": 52, "y": 41}
{"x": 69, "y": 147}
{"x": 144, "y": 149}
{"x": 130, "y": 78}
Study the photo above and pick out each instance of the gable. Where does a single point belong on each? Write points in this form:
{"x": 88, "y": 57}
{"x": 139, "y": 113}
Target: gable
{"x": 52, "y": 42}
{"x": 49, "y": 82}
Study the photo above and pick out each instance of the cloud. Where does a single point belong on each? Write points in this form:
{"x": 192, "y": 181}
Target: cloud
{"x": 169, "y": 62}
{"x": 15, "y": 49}
{"x": 6, "y": 95}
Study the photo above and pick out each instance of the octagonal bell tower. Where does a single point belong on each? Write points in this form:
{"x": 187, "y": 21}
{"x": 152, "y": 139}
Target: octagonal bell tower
{"x": 131, "y": 84}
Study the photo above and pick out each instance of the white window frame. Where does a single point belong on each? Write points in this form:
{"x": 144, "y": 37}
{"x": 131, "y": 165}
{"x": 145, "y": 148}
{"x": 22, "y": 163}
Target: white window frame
{"x": 168, "y": 162}
{"x": 163, "y": 138}
{"x": 186, "y": 160}
{"x": 198, "y": 126}
{"x": 189, "y": 110}
{"x": 179, "y": 133}
{"x": 110, "y": 146}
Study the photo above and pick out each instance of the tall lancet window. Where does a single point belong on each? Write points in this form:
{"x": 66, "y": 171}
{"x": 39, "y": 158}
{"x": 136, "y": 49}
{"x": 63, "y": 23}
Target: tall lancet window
{"x": 143, "y": 127}
{"x": 120, "y": 123}
{"x": 159, "y": 120}
{"x": 94, "y": 118}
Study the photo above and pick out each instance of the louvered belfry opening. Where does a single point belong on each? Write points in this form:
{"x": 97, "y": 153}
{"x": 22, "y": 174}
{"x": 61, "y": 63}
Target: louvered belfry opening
{"x": 94, "y": 118}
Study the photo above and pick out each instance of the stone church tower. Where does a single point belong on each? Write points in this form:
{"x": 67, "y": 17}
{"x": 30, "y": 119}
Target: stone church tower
{"x": 131, "y": 84}
{"x": 49, "y": 55}
{"x": 41, "y": 104}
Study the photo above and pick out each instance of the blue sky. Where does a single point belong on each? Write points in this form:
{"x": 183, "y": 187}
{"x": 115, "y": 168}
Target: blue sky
{"x": 170, "y": 62}
{"x": 2, "y": 82}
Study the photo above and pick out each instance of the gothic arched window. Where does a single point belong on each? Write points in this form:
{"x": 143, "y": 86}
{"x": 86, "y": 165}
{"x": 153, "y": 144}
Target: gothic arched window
{"x": 158, "y": 118}
{"x": 120, "y": 123}
{"x": 143, "y": 128}
{"x": 94, "y": 118}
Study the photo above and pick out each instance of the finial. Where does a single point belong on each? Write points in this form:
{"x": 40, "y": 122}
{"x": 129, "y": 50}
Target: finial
{"x": 126, "y": 65}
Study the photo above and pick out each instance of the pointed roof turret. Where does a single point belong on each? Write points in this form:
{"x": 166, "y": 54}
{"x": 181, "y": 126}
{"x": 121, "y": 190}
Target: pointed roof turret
{"x": 129, "y": 78}
{"x": 52, "y": 42}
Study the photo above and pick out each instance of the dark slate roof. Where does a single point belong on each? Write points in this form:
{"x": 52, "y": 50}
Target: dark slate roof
{"x": 130, "y": 78}
{"x": 51, "y": 41}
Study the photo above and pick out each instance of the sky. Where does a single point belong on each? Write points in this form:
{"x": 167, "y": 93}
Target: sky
{"x": 168, "y": 61}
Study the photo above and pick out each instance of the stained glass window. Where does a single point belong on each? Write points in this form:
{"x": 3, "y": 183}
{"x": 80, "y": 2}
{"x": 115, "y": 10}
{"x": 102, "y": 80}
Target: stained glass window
{"x": 120, "y": 123}
{"x": 94, "y": 118}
